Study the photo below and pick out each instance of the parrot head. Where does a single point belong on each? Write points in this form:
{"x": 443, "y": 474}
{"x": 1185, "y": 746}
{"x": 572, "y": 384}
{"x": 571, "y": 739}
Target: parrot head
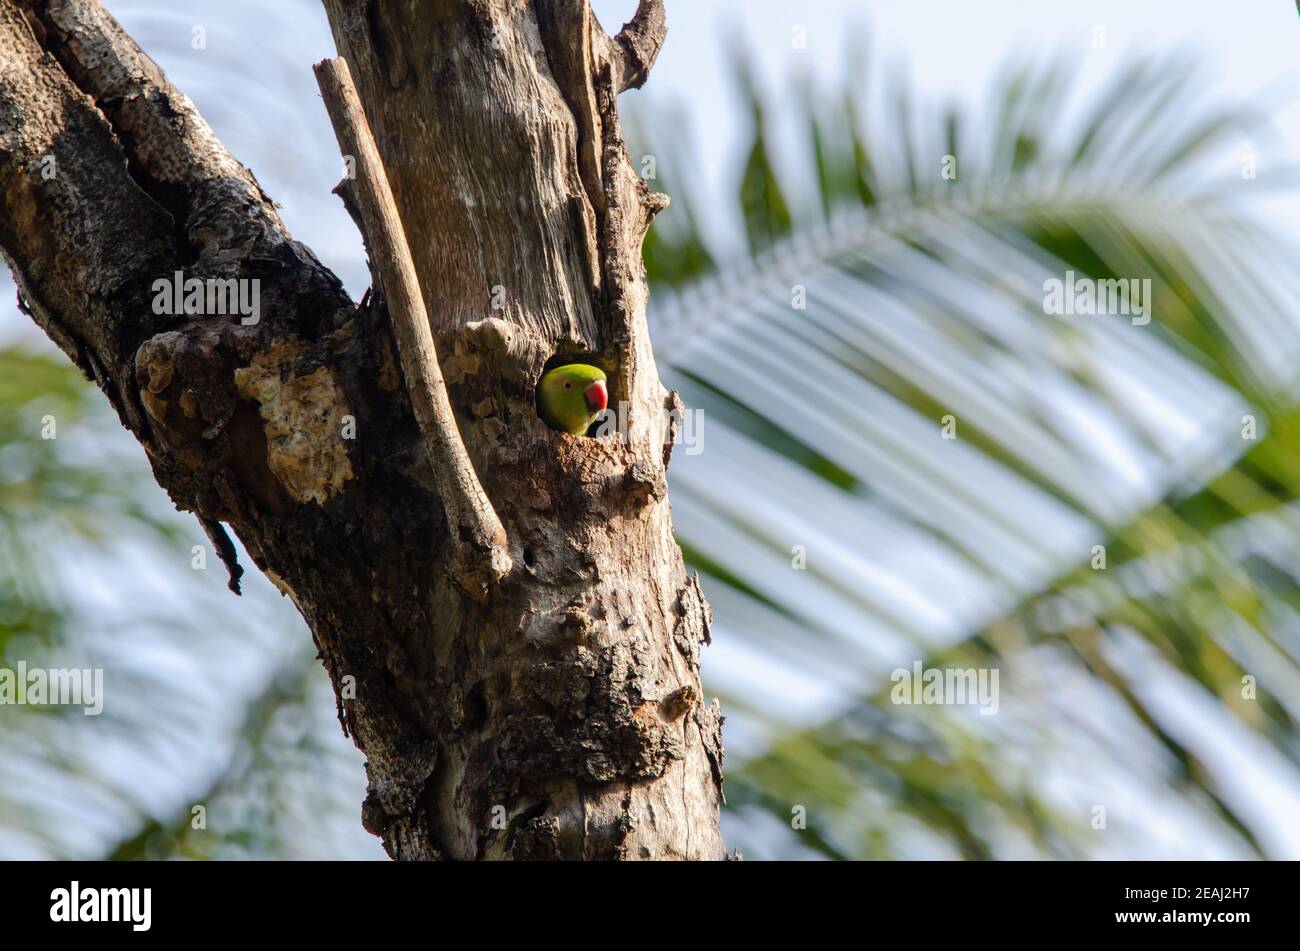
{"x": 570, "y": 397}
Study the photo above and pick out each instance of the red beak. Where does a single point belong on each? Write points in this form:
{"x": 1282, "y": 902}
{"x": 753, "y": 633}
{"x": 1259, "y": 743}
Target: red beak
{"x": 597, "y": 398}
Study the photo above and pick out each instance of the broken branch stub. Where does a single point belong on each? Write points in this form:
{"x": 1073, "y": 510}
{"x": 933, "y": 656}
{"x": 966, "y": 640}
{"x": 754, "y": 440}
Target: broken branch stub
{"x": 633, "y": 52}
{"x": 481, "y": 552}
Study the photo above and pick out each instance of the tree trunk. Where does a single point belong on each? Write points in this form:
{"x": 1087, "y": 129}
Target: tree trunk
{"x": 555, "y": 711}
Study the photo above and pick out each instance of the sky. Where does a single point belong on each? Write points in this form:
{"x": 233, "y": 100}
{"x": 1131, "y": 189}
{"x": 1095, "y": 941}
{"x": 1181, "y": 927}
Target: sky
{"x": 953, "y": 49}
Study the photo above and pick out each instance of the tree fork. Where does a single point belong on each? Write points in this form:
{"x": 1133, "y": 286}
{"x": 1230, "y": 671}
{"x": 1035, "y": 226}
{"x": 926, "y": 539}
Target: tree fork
{"x": 556, "y": 714}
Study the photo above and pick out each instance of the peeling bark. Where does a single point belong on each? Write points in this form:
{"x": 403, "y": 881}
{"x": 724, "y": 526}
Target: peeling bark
{"x": 560, "y": 715}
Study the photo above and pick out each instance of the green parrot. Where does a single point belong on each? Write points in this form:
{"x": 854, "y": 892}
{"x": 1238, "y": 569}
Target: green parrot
{"x": 570, "y": 397}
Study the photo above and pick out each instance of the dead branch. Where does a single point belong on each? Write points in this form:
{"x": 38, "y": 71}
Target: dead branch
{"x": 470, "y": 516}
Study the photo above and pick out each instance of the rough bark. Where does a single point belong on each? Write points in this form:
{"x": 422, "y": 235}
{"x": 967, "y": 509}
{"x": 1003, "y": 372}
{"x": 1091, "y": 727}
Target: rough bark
{"x": 557, "y": 713}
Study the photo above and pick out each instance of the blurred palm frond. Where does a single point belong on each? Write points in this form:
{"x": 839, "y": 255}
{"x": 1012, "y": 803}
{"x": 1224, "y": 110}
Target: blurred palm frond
{"x": 844, "y": 537}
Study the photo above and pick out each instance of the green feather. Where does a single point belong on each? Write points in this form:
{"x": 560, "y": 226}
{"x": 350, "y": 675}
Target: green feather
{"x": 560, "y": 397}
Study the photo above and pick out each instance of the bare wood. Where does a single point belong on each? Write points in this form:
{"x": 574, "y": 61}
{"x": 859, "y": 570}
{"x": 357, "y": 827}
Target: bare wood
{"x": 469, "y": 512}
{"x": 634, "y": 50}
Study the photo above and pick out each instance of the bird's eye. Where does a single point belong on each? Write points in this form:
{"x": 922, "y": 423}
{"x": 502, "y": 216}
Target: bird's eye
{"x": 568, "y": 385}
